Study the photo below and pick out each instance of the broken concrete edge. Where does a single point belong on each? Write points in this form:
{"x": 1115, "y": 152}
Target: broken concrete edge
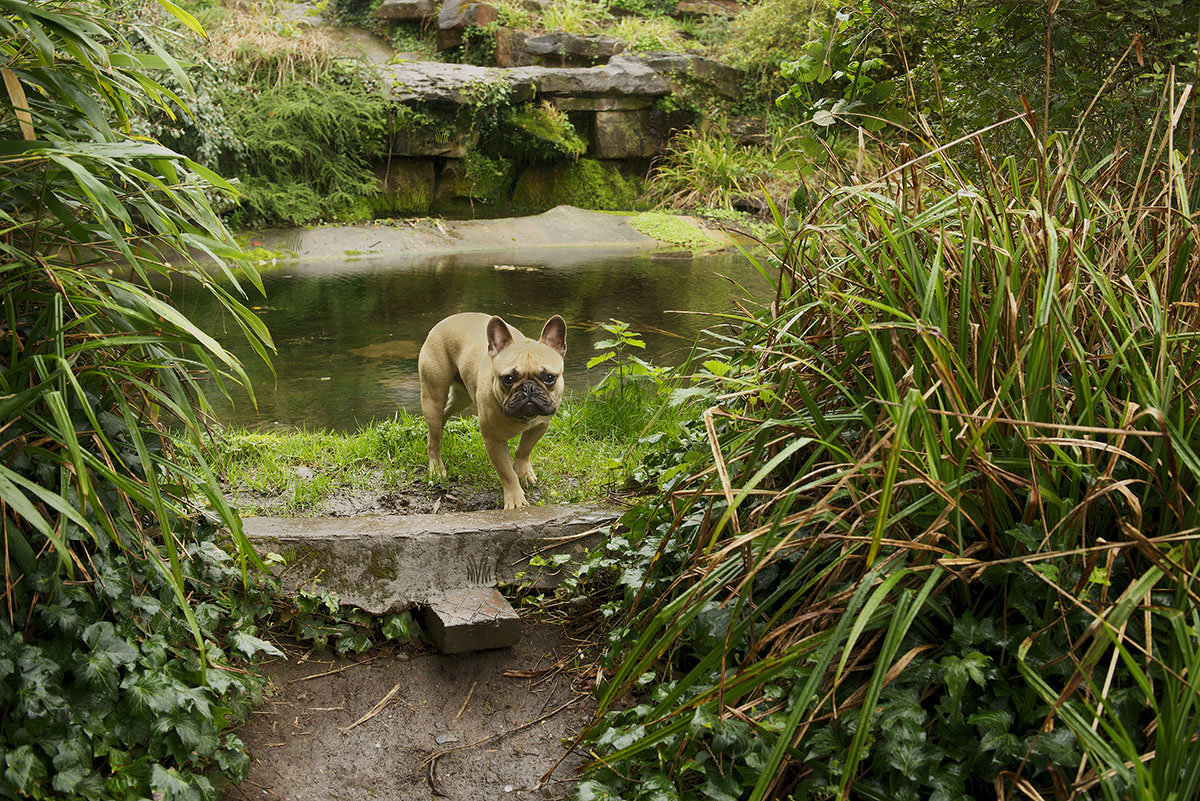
{"x": 390, "y": 563}
{"x": 470, "y": 619}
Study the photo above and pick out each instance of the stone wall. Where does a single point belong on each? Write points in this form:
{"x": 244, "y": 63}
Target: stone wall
{"x": 562, "y": 119}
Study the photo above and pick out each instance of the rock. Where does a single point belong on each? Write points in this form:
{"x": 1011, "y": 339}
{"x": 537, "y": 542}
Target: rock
{"x": 453, "y": 84}
{"x": 688, "y": 67}
{"x": 510, "y": 49}
{"x": 459, "y": 14}
{"x": 441, "y": 138}
{"x": 406, "y": 186}
{"x": 707, "y": 8}
{"x": 628, "y": 134}
{"x": 626, "y": 103}
{"x": 622, "y": 75}
{"x": 384, "y": 563}
{"x": 489, "y": 183}
{"x": 748, "y": 130}
{"x": 586, "y": 183}
{"x": 305, "y": 473}
{"x": 405, "y": 10}
{"x": 562, "y": 49}
{"x": 559, "y": 49}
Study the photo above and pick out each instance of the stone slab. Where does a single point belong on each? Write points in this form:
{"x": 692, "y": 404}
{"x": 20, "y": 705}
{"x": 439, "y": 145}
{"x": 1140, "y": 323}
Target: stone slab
{"x": 385, "y": 563}
{"x": 471, "y": 619}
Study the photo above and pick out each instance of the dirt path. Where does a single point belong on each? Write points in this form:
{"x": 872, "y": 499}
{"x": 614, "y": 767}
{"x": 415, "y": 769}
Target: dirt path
{"x": 493, "y": 735}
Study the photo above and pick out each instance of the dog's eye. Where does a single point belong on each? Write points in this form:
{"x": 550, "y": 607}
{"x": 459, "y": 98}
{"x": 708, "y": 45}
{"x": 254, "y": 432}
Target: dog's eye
{"x": 549, "y": 378}
{"x": 508, "y": 379}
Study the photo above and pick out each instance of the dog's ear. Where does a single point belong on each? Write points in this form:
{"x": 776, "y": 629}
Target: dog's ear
{"x": 498, "y": 336}
{"x": 555, "y": 334}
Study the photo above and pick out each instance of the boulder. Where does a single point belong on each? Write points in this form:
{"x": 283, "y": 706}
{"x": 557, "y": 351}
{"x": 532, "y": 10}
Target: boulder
{"x": 623, "y": 75}
{"x": 459, "y": 14}
{"x": 406, "y": 10}
{"x": 626, "y": 103}
{"x": 510, "y": 49}
{"x": 452, "y": 84}
{"x": 688, "y": 67}
{"x": 562, "y": 49}
{"x": 442, "y": 138}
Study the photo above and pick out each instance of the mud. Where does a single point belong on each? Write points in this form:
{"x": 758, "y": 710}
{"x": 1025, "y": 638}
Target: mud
{"x": 488, "y": 725}
{"x": 351, "y": 502}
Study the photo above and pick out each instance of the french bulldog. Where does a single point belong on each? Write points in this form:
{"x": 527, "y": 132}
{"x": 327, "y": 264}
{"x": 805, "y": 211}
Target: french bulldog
{"x": 515, "y": 382}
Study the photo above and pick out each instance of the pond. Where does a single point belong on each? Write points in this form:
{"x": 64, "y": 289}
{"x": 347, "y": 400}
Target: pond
{"x": 348, "y": 333}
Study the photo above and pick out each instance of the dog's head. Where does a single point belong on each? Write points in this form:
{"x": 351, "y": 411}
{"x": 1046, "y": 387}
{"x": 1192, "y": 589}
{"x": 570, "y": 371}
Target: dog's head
{"x": 527, "y": 376}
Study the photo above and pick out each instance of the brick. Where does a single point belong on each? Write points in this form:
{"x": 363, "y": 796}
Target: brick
{"x": 471, "y": 619}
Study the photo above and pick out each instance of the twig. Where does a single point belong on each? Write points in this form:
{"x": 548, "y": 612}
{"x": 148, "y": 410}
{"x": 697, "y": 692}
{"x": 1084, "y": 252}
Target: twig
{"x": 375, "y": 710}
{"x": 466, "y": 701}
{"x": 366, "y": 661}
{"x": 435, "y": 756}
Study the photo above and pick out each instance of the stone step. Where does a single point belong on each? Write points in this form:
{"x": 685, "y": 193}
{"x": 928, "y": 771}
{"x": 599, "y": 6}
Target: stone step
{"x": 471, "y": 619}
{"x": 387, "y": 563}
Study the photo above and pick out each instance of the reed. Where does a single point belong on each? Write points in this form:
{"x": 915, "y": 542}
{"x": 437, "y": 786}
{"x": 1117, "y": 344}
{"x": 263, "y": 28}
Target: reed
{"x": 940, "y": 541}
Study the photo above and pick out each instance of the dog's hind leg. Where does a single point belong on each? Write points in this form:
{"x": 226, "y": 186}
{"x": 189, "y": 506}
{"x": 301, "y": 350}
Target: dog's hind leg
{"x": 433, "y": 402}
{"x": 459, "y": 399}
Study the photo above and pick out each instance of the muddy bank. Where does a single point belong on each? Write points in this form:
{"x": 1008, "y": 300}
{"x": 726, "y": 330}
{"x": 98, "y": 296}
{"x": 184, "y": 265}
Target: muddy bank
{"x": 564, "y": 229}
{"x": 478, "y": 726}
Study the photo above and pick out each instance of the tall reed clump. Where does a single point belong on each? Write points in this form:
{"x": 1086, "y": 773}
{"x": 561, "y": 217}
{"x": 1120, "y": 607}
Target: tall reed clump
{"x": 935, "y": 536}
{"x": 124, "y": 607}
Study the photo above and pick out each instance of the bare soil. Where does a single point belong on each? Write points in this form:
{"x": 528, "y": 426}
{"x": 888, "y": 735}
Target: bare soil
{"x": 406, "y": 723}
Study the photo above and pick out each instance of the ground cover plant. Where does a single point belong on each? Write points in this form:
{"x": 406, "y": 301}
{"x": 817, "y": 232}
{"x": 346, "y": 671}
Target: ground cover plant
{"x": 935, "y": 535}
{"x": 127, "y": 615}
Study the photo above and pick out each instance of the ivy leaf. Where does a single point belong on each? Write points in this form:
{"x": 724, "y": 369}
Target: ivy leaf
{"x": 24, "y": 769}
{"x": 657, "y": 787}
{"x": 400, "y": 627}
{"x": 172, "y": 786}
{"x": 102, "y": 639}
{"x": 249, "y": 645}
{"x": 592, "y": 790}
{"x": 958, "y": 670}
{"x": 721, "y": 788}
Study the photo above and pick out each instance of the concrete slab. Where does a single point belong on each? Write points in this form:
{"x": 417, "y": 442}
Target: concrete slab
{"x": 385, "y": 563}
{"x": 471, "y": 619}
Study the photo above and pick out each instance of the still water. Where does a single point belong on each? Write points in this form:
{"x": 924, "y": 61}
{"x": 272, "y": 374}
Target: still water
{"x": 348, "y": 333}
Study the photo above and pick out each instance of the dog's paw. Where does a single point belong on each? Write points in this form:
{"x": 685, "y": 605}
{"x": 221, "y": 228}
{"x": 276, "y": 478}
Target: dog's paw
{"x": 515, "y": 500}
{"x": 524, "y": 471}
{"x": 437, "y": 470}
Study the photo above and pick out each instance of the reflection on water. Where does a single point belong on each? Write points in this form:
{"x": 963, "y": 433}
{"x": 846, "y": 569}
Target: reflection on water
{"x": 348, "y": 334}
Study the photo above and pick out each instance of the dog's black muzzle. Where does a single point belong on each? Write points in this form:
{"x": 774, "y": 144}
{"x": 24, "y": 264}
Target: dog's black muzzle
{"x": 528, "y": 399}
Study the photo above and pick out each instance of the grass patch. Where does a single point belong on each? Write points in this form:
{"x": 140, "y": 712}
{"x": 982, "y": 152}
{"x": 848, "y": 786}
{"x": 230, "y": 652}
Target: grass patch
{"x": 591, "y": 449}
{"x": 674, "y": 230}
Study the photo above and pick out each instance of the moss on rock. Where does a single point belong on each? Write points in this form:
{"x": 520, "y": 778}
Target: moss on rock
{"x": 675, "y": 230}
{"x": 586, "y": 183}
{"x": 539, "y": 134}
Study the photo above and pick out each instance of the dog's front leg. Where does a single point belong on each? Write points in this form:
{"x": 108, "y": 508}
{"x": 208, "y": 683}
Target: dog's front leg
{"x": 521, "y": 465}
{"x": 497, "y": 451}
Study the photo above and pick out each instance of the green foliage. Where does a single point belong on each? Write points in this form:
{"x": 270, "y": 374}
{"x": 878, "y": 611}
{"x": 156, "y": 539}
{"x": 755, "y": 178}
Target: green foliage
{"x": 535, "y": 134}
{"x": 488, "y": 179}
{"x": 711, "y": 168}
{"x": 771, "y": 32}
{"x": 645, "y": 8}
{"x": 968, "y": 66}
{"x": 654, "y": 33}
{"x": 624, "y": 367}
{"x": 319, "y": 618}
{"x": 123, "y": 609}
{"x": 945, "y": 549}
{"x": 478, "y": 45}
{"x": 305, "y": 150}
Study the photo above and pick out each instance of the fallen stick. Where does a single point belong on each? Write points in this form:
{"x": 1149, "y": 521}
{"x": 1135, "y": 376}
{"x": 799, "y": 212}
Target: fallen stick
{"x": 366, "y": 661}
{"x": 380, "y": 705}
{"x": 466, "y": 701}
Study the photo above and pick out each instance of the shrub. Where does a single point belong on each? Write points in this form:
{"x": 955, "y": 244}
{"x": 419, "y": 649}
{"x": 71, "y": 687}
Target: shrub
{"x": 305, "y": 150}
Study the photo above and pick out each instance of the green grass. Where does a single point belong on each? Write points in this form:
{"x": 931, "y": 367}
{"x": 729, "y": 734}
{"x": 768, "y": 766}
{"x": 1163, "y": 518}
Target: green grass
{"x": 588, "y": 453}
